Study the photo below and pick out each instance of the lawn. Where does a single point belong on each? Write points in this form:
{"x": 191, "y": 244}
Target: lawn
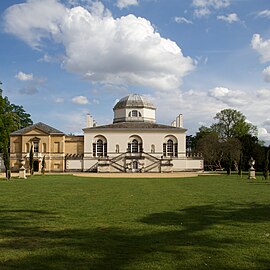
{"x": 67, "y": 222}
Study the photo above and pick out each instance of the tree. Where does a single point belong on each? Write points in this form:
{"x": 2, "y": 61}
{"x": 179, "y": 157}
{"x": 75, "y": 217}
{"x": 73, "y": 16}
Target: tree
{"x": 232, "y": 124}
{"x": 266, "y": 166}
{"x": 43, "y": 164}
{"x": 31, "y": 160}
{"x": 12, "y": 117}
{"x": 221, "y": 143}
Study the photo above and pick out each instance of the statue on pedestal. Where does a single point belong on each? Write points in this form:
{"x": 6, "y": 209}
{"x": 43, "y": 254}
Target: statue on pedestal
{"x": 252, "y": 174}
{"x": 22, "y": 173}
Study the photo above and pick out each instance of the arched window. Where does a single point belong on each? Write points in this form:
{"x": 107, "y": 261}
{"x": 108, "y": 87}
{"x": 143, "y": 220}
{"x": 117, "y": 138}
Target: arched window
{"x": 100, "y": 148}
{"x": 170, "y": 148}
{"x": 117, "y": 148}
{"x": 152, "y": 148}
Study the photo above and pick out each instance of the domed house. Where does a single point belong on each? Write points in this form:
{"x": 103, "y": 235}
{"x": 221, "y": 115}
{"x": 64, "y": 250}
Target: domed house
{"x": 134, "y": 142}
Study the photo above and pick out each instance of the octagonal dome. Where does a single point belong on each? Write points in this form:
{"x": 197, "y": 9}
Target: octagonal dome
{"x": 134, "y": 108}
{"x": 133, "y": 101}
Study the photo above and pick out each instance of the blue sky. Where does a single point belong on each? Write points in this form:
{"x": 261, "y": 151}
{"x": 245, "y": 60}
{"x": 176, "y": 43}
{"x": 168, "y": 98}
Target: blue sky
{"x": 63, "y": 59}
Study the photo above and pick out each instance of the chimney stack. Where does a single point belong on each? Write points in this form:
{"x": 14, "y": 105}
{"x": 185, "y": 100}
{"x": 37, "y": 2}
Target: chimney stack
{"x": 89, "y": 121}
{"x": 178, "y": 122}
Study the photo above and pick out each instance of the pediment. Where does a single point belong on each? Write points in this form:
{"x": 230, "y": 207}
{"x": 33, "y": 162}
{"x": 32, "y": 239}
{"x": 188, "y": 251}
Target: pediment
{"x": 35, "y": 132}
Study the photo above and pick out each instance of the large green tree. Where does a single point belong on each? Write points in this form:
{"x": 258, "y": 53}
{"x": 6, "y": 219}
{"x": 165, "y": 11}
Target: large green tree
{"x": 232, "y": 124}
{"x": 227, "y": 141}
{"x": 12, "y": 117}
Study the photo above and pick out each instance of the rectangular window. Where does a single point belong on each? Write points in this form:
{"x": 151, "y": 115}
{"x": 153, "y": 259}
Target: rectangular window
{"x": 105, "y": 149}
{"x": 164, "y": 149}
{"x": 176, "y": 150}
{"x": 94, "y": 149}
{"x": 35, "y": 147}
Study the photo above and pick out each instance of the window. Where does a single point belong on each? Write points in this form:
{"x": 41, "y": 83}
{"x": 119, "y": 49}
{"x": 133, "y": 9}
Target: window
{"x": 152, "y": 148}
{"x": 134, "y": 113}
{"x": 100, "y": 148}
{"x": 117, "y": 149}
{"x": 135, "y": 146}
{"x": 170, "y": 149}
{"x": 35, "y": 147}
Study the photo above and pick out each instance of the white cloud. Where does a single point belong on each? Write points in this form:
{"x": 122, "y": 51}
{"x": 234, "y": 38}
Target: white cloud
{"x": 80, "y": 100}
{"x": 265, "y": 13}
{"x": 262, "y": 47}
{"x": 263, "y": 93}
{"x": 228, "y": 96}
{"x": 182, "y": 20}
{"x": 121, "y": 51}
{"x": 230, "y": 18}
{"x": 266, "y": 74}
{"x": 264, "y": 135}
{"x": 126, "y": 3}
{"x": 204, "y": 8}
{"x": 24, "y": 76}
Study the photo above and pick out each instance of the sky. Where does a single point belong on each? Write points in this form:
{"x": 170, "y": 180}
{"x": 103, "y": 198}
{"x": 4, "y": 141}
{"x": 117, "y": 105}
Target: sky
{"x": 62, "y": 59}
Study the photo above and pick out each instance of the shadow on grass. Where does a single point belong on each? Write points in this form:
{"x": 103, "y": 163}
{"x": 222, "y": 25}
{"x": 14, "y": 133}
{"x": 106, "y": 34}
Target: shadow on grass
{"x": 169, "y": 240}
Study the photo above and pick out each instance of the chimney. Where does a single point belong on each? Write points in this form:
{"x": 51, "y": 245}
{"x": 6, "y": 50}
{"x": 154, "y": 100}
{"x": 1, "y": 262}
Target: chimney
{"x": 173, "y": 124}
{"x": 179, "y": 121}
{"x": 89, "y": 121}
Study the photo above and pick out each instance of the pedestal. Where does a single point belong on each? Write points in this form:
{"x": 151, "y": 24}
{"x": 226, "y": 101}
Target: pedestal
{"x": 22, "y": 173}
{"x": 252, "y": 174}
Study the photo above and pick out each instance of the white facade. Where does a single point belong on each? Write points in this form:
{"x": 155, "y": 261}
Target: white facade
{"x": 135, "y": 143}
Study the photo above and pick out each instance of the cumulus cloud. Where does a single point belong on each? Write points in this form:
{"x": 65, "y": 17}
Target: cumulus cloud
{"x": 262, "y": 47}
{"x": 228, "y": 96}
{"x": 230, "y": 18}
{"x": 204, "y": 8}
{"x": 24, "y": 76}
{"x": 182, "y": 20}
{"x": 266, "y": 74}
{"x": 126, "y": 3}
{"x": 265, "y": 13}
{"x": 100, "y": 48}
{"x": 81, "y": 100}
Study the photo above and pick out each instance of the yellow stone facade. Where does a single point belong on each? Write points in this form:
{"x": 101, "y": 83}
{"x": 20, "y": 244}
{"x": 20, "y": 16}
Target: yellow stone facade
{"x": 46, "y": 141}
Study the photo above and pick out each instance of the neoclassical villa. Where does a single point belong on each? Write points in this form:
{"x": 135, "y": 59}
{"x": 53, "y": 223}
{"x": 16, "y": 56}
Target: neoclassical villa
{"x": 134, "y": 142}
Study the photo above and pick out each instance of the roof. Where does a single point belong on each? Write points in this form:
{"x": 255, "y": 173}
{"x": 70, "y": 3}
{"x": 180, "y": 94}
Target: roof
{"x": 41, "y": 126}
{"x": 136, "y": 125}
{"x": 133, "y": 101}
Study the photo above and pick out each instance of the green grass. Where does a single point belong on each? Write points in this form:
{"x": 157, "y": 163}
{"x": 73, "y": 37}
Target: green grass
{"x": 66, "y": 222}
